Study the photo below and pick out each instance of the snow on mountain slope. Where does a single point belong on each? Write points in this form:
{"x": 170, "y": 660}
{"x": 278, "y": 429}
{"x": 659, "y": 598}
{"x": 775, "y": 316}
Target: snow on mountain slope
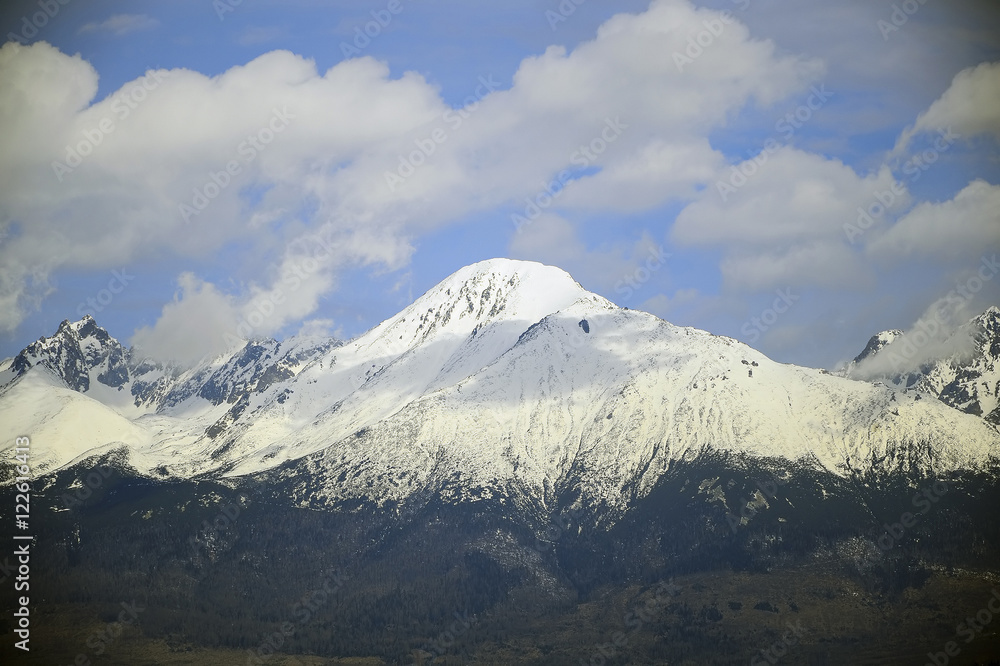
{"x": 63, "y": 424}
{"x": 509, "y": 373}
{"x": 613, "y": 407}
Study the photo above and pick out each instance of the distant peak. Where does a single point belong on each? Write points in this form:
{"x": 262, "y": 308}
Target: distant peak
{"x": 877, "y": 342}
{"x": 988, "y": 322}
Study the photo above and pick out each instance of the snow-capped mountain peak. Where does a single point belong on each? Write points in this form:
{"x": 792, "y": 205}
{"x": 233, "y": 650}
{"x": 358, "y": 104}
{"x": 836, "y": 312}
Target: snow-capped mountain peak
{"x": 876, "y": 343}
{"x": 473, "y": 298}
{"x": 81, "y": 353}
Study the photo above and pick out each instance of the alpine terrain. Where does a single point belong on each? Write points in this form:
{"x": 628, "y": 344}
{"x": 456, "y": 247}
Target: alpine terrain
{"x": 516, "y": 452}
{"x": 968, "y": 378}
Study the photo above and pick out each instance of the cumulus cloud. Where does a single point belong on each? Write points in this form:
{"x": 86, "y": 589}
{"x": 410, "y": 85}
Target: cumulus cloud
{"x": 662, "y": 305}
{"x": 261, "y": 156}
{"x": 180, "y": 334}
{"x": 93, "y": 184}
{"x": 318, "y": 328}
{"x": 121, "y": 24}
{"x": 958, "y": 229}
{"x": 970, "y": 106}
{"x": 785, "y": 222}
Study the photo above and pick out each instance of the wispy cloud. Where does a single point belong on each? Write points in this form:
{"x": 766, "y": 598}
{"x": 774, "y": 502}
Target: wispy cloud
{"x": 121, "y": 24}
{"x": 261, "y": 35}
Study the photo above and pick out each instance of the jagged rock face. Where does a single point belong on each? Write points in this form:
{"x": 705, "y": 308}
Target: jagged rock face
{"x": 968, "y": 381}
{"x": 251, "y": 370}
{"x": 78, "y": 353}
{"x": 507, "y": 380}
{"x": 82, "y": 352}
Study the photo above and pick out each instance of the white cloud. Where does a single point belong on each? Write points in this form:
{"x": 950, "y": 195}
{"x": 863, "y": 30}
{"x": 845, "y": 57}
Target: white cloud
{"x": 184, "y": 332}
{"x": 937, "y": 334}
{"x": 345, "y": 129}
{"x": 958, "y": 229}
{"x": 552, "y": 239}
{"x": 121, "y": 24}
{"x": 167, "y": 138}
{"x": 318, "y": 328}
{"x": 785, "y": 222}
{"x": 793, "y": 196}
{"x": 970, "y": 106}
{"x": 642, "y": 179}
{"x": 824, "y": 264}
{"x": 624, "y": 270}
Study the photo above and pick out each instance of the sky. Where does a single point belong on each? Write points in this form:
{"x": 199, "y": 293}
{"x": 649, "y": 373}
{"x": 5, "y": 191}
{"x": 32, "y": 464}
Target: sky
{"x": 796, "y": 175}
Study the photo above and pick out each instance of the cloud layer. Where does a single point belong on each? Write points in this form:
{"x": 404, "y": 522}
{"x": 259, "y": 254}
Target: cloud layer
{"x": 272, "y": 151}
{"x": 298, "y": 175}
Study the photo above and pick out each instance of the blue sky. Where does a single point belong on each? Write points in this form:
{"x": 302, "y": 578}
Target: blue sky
{"x": 826, "y": 107}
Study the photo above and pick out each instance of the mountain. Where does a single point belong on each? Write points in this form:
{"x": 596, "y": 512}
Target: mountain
{"x": 966, "y": 377}
{"x": 508, "y": 378}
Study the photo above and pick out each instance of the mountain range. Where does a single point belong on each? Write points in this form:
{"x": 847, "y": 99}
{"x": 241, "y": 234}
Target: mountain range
{"x": 506, "y": 378}
{"x": 518, "y": 453}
